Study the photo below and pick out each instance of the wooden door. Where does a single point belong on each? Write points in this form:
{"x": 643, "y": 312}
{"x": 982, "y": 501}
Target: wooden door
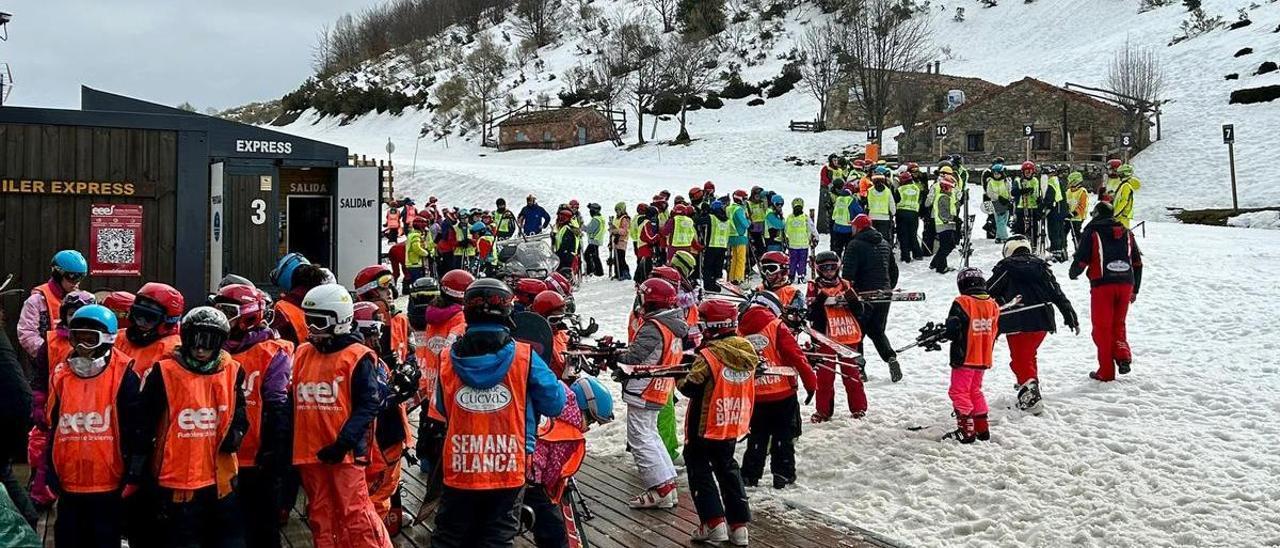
{"x": 251, "y": 218}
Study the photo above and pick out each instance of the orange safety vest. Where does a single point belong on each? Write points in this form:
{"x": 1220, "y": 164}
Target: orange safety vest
{"x": 431, "y": 348}
{"x": 322, "y": 398}
{"x": 484, "y": 445}
{"x": 984, "y": 324}
{"x": 634, "y": 320}
{"x": 52, "y": 303}
{"x": 557, "y": 431}
{"x": 294, "y": 315}
{"x": 786, "y": 294}
{"x": 197, "y": 418}
{"x": 766, "y": 344}
{"x": 559, "y": 345}
{"x": 691, "y": 317}
{"x": 255, "y": 361}
{"x": 410, "y": 213}
{"x": 57, "y": 348}
{"x": 842, "y": 325}
{"x": 145, "y": 357}
{"x": 659, "y": 389}
{"x": 393, "y": 220}
{"x": 86, "y": 444}
{"x": 400, "y": 336}
{"x": 726, "y": 410}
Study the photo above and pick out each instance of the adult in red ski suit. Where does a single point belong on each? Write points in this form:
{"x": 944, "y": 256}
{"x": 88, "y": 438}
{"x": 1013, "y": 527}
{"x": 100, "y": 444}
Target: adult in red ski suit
{"x": 1109, "y": 256}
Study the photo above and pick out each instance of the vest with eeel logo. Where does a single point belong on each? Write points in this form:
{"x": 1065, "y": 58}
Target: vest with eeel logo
{"x": 322, "y": 398}
{"x": 484, "y": 445}
{"x": 86, "y": 444}
{"x": 197, "y": 418}
{"x": 984, "y": 325}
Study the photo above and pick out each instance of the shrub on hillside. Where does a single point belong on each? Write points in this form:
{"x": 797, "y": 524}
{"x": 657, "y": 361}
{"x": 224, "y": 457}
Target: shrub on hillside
{"x": 755, "y": 102}
{"x": 713, "y": 101}
{"x": 735, "y": 88}
{"x": 784, "y": 82}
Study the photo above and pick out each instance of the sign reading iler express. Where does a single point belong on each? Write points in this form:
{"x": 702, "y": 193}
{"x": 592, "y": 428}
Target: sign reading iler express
{"x": 76, "y": 188}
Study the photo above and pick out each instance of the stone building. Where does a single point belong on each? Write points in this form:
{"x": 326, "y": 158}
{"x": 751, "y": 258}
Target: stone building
{"x": 931, "y": 86}
{"x": 1065, "y": 126}
{"x": 555, "y": 129}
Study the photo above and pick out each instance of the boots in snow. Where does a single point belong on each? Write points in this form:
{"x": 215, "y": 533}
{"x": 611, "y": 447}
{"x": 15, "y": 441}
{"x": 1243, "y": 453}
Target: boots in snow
{"x": 1029, "y": 399}
{"x": 964, "y": 432}
{"x": 1122, "y": 366}
{"x": 711, "y": 533}
{"x": 738, "y": 535}
{"x": 895, "y": 371}
{"x": 982, "y": 431}
{"x": 819, "y": 417}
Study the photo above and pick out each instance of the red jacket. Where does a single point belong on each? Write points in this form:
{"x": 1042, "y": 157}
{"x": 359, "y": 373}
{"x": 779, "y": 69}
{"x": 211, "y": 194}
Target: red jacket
{"x": 396, "y": 256}
{"x": 754, "y": 321}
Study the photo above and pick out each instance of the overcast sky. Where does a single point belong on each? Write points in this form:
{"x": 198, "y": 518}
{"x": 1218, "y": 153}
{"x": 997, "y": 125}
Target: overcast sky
{"x": 217, "y": 53}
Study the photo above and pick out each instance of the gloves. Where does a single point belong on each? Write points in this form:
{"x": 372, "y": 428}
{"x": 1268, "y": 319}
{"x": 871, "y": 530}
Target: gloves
{"x": 332, "y": 453}
{"x": 851, "y": 296}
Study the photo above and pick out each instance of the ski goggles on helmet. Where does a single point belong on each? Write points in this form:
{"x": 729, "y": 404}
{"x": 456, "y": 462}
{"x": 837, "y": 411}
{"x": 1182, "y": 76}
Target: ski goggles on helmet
{"x": 772, "y": 268}
{"x": 384, "y": 281}
{"x": 828, "y": 267}
{"x": 145, "y": 315}
{"x": 370, "y": 328}
{"x": 234, "y": 311}
{"x": 204, "y": 340}
{"x": 71, "y": 276}
{"x": 90, "y": 339}
{"x": 319, "y": 322}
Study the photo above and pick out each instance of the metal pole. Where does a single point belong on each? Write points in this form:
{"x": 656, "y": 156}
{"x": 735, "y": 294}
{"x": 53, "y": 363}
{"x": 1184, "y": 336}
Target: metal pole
{"x": 1231, "y": 154}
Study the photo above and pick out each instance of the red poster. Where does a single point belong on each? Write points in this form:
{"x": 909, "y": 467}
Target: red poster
{"x": 115, "y": 240}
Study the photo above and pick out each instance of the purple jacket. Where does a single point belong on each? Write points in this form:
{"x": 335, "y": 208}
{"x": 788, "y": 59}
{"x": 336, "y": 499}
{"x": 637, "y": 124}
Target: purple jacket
{"x": 35, "y": 319}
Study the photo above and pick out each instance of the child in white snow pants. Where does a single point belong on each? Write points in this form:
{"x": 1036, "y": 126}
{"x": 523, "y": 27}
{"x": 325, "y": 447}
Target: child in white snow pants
{"x": 652, "y": 459}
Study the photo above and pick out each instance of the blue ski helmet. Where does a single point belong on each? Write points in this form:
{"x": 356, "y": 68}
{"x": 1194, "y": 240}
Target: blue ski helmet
{"x": 717, "y": 206}
{"x": 882, "y": 170}
{"x": 282, "y": 274}
{"x": 997, "y": 167}
{"x": 479, "y": 228}
{"x": 69, "y": 261}
{"x": 594, "y": 400}
{"x": 88, "y": 315}
{"x": 777, "y": 200}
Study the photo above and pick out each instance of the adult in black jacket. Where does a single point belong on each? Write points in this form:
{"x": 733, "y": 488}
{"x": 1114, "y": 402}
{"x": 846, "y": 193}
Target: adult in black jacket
{"x": 1022, "y": 273}
{"x": 15, "y": 420}
{"x": 869, "y": 266}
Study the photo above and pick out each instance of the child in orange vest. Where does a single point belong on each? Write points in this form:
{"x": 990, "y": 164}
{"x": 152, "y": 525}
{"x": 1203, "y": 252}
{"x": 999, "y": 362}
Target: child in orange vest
{"x": 85, "y": 461}
{"x": 190, "y": 419}
{"x": 833, "y": 310}
{"x": 721, "y": 390}
{"x": 972, "y": 327}
{"x": 56, "y": 348}
{"x": 267, "y": 361}
{"x": 338, "y": 389}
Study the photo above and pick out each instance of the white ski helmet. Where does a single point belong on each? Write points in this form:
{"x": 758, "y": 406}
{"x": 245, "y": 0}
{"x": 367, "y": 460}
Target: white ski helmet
{"x": 1014, "y": 243}
{"x": 329, "y": 310}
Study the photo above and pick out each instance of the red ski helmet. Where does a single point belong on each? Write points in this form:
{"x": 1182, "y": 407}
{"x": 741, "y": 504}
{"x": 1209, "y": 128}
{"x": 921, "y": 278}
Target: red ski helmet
{"x": 242, "y": 305}
{"x": 548, "y": 303}
{"x": 657, "y": 294}
{"x": 527, "y": 289}
{"x": 454, "y": 284}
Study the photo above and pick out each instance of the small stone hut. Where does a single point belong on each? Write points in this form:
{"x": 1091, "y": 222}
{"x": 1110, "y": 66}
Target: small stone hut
{"x": 554, "y": 129}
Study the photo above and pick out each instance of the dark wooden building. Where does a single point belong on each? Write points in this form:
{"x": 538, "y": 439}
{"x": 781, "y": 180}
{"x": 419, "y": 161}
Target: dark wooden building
{"x": 555, "y": 128}
{"x": 216, "y": 196}
{"x": 1065, "y": 126}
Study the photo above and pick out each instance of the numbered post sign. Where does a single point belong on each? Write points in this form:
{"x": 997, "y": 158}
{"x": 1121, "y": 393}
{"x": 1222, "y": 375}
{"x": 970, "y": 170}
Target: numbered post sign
{"x": 873, "y": 134}
{"x": 940, "y": 131}
{"x": 1126, "y": 140}
{"x": 115, "y": 240}
{"x": 1228, "y": 134}
{"x": 1028, "y": 130}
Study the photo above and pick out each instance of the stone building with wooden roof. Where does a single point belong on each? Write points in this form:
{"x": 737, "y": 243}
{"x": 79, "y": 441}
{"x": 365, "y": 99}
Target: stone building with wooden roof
{"x": 1064, "y": 125}
{"x": 555, "y": 128}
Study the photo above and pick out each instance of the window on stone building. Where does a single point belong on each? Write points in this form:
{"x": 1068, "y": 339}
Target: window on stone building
{"x": 546, "y": 136}
{"x": 521, "y": 137}
{"x": 1040, "y": 140}
{"x": 975, "y": 141}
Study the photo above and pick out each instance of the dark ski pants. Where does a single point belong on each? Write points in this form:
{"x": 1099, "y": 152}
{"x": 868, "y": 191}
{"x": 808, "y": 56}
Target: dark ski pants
{"x": 88, "y": 520}
{"x": 839, "y": 240}
{"x": 259, "y": 492}
{"x": 713, "y": 267}
{"x": 140, "y": 511}
{"x": 946, "y": 244}
{"x": 1057, "y": 235}
{"x": 477, "y": 519}
{"x": 621, "y": 269}
{"x": 874, "y": 319}
{"x": 644, "y": 265}
{"x": 1076, "y": 228}
{"x": 548, "y": 519}
{"x": 885, "y": 228}
{"x": 715, "y": 480}
{"x": 592, "y": 257}
{"x": 429, "y": 449}
{"x": 929, "y": 234}
{"x": 908, "y": 242}
{"x": 203, "y": 521}
{"x": 775, "y": 425}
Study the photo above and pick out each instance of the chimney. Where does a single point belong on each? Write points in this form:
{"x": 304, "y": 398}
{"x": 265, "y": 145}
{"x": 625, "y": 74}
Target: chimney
{"x": 937, "y": 67}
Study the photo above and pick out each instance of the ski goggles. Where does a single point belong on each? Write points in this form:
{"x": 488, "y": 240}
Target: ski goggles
{"x": 145, "y": 316}
{"x": 233, "y": 311}
{"x": 320, "y": 322}
{"x": 90, "y": 338}
{"x": 204, "y": 340}
{"x": 72, "y": 276}
{"x": 828, "y": 267}
{"x": 772, "y": 268}
{"x": 370, "y": 328}
{"x": 384, "y": 281}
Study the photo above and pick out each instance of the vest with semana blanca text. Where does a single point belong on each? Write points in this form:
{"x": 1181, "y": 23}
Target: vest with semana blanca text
{"x": 400, "y": 336}
{"x": 255, "y": 360}
{"x": 322, "y": 398}
{"x": 197, "y": 417}
{"x": 842, "y": 325}
{"x": 984, "y": 323}
{"x": 484, "y": 443}
{"x": 727, "y": 411}
{"x": 86, "y": 445}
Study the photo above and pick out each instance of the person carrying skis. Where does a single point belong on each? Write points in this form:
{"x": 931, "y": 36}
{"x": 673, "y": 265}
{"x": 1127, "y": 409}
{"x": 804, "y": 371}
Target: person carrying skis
{"x": 533, "y": 219}
{"x": 551, "y": 306}
{"x": 1124, "y": 194}
{"x": 998, "y": 193}
{"x": 687, "y": 303}
{"x": 1077, "y": 204}
{"x": 801, "y": 235}
{"x": 721, "y": 390}
{"x": 869, "y": 266}
{"x": 1023, "y": 273}
{"x": 504, "y": 221}
{"x": 972, "y": 327}
{"x": 40, "y": 311}
{"x": 1054, "y": 211}
{"x": 56, "y": 348}
{"x": 487, "y": 446}
{"x": 1109, "y": 256}
{"x": 654, "y": 244}
{"x": 882, "y": 205}
{"x": 1026, "y": 192}
{"x": 83, "y": 413}
{"x": 908, "y": 217}
{"x": 776, "y": 422}
{"x": 844, "y": 208}
{"x": 338, "y": 391}
{"x": 188, "y": 421}
{"x": 263, "y": 457}
{"x": 945, "y": 219}
{"x": 657, "y": 343}
{"x": 738, "y": 237}
{"x": 833, "y": 310}
{"x": 444, "y": 323}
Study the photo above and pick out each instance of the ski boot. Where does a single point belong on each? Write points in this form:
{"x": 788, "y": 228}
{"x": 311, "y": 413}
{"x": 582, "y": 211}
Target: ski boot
{"x": 738, "y": 535}
{"x": 1122, "y": 366}
{"x": 862, "y": 371}
{"x": 858, "y": 415}
{"x": 981, "y": 429}
{"x": 711, "y": 534}
{"x": 819, "y": 417}
{"x": 780, "y": 482}
{"x": 653, "y": 498}
{"x": 1029, "y": 399}
{"x": 964, "y": 432}
{"x": 895, "y": 371}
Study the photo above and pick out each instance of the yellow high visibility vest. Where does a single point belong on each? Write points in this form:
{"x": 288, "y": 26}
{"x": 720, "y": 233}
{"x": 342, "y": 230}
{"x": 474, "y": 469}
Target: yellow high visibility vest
{"x": 683, "y": 232}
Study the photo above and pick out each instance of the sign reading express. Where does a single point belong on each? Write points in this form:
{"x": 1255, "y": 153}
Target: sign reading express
{"x": 76, "y": 188}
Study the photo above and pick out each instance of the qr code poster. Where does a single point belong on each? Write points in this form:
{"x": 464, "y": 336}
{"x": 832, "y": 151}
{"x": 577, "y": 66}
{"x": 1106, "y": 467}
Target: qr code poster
{"x": 115, "y": 238}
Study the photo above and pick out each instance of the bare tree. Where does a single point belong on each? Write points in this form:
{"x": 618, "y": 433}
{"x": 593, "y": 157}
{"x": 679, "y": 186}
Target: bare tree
{"x": 666, "y": 13}
{"x": 1136, "y": 76}
{"x": 631, "y": 54}
{"x": 537, "y": 20}
{"x": 482, "y": 70}
{"x": 609, "y": 89}
{"x": 877, "y": 54}
{"x": 322, "y": 51}
{"x": 820, "y": 63}
{"x": 909, "y": 98}
{"x": 688, "y": 71}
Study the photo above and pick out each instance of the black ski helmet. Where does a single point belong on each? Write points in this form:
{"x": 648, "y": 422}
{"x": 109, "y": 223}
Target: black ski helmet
{"x": 826, "y": 257}
{"x": 488, "y": 300}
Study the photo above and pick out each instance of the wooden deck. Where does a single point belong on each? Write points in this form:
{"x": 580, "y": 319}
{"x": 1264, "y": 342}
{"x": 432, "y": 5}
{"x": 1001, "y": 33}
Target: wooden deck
{"x": 606, "y": 483}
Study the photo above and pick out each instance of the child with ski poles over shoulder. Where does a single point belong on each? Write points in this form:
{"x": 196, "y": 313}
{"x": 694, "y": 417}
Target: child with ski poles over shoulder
{"x": 972, "y": 327}
{"x": 833, "y": 310}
